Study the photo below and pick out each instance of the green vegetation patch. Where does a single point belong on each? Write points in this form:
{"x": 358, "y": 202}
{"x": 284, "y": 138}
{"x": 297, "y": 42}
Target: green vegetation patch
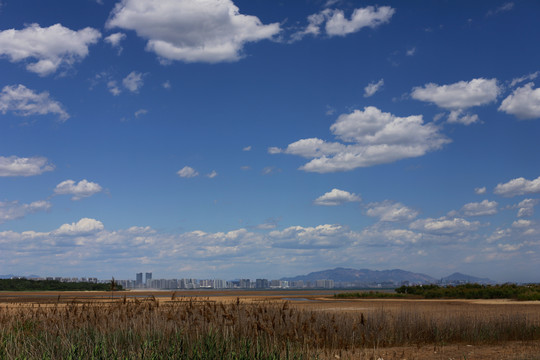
{"x": 474, "y": 291}
{"x": 465, "y": 291}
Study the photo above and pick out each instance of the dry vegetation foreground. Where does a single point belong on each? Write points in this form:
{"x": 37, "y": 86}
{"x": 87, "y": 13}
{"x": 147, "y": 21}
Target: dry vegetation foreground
{"x": 262, "y": 325}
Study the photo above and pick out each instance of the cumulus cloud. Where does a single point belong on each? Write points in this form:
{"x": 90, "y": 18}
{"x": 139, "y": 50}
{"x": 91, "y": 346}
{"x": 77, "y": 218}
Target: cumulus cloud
{"x": 373, "y": 87}
{"x": 84, "y": 226}
{"x": 458, "y": 117}
{"x": 113, "y": 87}
{"x": 115, "y": 39}
{"x": 480, "y": 190}
{"x": 376, "y": 138}
{"x": 521, "y": 223}
{"x": 523, "y": 103}
{"x": 18, "y": 166}
{"x": 526, "y": 207}
{"x": 21, "y": 101}
{"x": 212, "y": 174}
{"x": 336, "y": 197}
{"x": 391, "y": 211}
{"x": 459, "y": 96}
{"x": 528, "y": 77}
{"x": 82, "y": 189}
{"x": 376, "y": 236}
{"x": 247, "y": 148}
{"x": 336, "y": 24}
{"x": 11, "y": 210}
{"x": 444, "y": 226}
{"x": 319, "y": 237}
{"x": 480, "y": 208}
{"x": 187, "y": 172}
{"x": 47, "y": 49}
{"x": 191, "y": 31}
{"x": 133, "y": 82}
{"x": 518, "y": 186}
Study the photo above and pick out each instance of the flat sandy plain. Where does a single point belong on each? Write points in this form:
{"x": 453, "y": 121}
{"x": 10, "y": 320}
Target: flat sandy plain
{"x": 323, "y": 300}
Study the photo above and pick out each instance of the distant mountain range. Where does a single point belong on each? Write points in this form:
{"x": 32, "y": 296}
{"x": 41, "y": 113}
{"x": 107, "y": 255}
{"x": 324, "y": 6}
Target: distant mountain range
{"x": 395, "y": 276}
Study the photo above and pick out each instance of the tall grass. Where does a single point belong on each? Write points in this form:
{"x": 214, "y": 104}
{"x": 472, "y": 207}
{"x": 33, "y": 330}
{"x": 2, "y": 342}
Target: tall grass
{"x": 202, "y": 329}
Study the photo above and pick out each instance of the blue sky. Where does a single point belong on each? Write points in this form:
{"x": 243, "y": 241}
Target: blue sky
{"x": 226, "y": 139}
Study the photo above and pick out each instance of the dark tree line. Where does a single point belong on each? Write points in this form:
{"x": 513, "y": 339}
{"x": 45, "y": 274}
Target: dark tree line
{"x": 474, "y": 291}
{"x": 53, "y": 285}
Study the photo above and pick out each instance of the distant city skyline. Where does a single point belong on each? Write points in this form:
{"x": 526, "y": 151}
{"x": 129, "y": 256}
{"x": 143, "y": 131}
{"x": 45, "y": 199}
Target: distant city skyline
{"x": 221, "y": 138}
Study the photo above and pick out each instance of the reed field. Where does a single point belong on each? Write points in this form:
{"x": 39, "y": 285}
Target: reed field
{"x": 177, "y": 327}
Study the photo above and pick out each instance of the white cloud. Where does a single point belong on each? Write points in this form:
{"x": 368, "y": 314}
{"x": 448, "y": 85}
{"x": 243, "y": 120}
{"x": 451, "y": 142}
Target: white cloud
{"x": 115, "y": 40}
{"x": 191, "y": 31}
{"x": 499, "y": 234}
{"x": 528, "y": 77}
{"x": 444, "y": 226}
{"x": 50, "y": 47}
{"x": 480, "y": 208}
{"x": 247, "y": 148}
{"x": 336, "y": 24}
{"x": 187, "y": 172}
{"x": 140, "y": 112}
{"x": 166, "y": 84}
{"x": 503, "y": 8}
{"x": 336, "y": 197}
{"x": 17, "y": 166}
{"x": 521, "y": 223}
{"x": 518, "y": 186}
{"x": 13, "y": 210}
{"x": 523, "y": 103}
{"x": 526, "y": 207}
{"x": 510, "y": 247}
{"x": 369, "y": 16}
{"x": 269, "y": 170}
{"x": 84, "y": 226}
{"x": 376, "y": 236}
{"x": 480, "y": 190}
{"x": 319, "y": 237}
{"x": 82, "y": 189}
{"x": 458, "y": 117}
{"x": 212, "y": 175}
{"x": 113, "y": 88}
{"x": 411, "y": 51}
{"x": 391, "y": 211}
{"x": 133, "y": 82}
{"x": 22, "y": 101}
{"x": 377, "y": 138}
{"x": 459, "y": 96}
{"x": 269, "y": 224}
{"x": 373, "y": 87}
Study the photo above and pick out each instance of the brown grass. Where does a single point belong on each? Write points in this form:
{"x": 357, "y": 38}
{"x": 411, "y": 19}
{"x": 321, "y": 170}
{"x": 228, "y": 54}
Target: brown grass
{"x": 173, "y": 326}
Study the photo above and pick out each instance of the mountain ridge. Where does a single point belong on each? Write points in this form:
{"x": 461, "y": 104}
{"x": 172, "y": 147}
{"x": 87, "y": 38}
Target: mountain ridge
{"x": 395, "y": 276}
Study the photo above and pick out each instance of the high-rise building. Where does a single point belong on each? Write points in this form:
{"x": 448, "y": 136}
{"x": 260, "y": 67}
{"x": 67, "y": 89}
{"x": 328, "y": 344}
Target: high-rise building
{"x": 148, "y": 278}
{"x": 139, "y": 279}
{"x": 261, "y": 283}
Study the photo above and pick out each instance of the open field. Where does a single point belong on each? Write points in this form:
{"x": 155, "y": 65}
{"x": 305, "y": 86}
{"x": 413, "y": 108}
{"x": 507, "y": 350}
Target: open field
{"x": 262, "y": 325}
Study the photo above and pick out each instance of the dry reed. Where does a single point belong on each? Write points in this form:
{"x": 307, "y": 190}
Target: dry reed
{"x": 204, "y": 329}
